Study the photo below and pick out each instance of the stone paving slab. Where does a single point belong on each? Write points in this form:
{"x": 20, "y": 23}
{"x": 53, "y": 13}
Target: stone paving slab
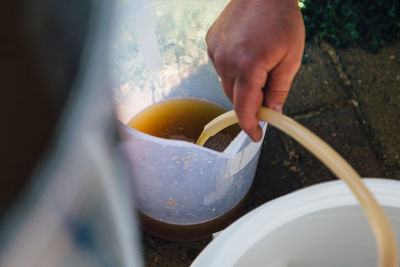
{"x": 276, "y": 172}
{"x": 341, "y": 129}
{"x": 158, "y": 252}
{"x": 316, "y": 84}
{"x": 375, "y": 80}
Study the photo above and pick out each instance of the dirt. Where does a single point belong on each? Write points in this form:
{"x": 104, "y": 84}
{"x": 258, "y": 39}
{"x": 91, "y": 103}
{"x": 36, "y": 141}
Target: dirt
{"x": 330, "y": 79}
{"x": 316, "y": 85}
{"x": 219, "y": 142}
{"x": 376, "y": 85}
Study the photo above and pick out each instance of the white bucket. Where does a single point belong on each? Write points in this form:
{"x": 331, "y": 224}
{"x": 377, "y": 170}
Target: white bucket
{"x": 322, "y": 225}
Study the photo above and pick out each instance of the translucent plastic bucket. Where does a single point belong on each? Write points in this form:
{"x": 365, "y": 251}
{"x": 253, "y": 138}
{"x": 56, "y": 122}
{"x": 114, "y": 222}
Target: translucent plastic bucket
{"x": 322, "y": 225}
{"x": 159, "y": 54}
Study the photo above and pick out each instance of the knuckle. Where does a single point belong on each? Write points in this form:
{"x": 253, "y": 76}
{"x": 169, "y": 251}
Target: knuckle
{"x": 244, "y": 60}
{"x": 208, "y": 36}
{"x": 281, "y": 94}
{"x": 210, "y": 52}
{"x": 220, "y": 56}
{"x": 294, "y": 62}
{"x": 210, "y": 46}
{"x": 297, "y": 62}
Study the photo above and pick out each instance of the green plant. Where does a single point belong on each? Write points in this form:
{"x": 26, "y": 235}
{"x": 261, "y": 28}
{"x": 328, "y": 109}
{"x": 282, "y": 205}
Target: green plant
{"x": 368, "y": 24}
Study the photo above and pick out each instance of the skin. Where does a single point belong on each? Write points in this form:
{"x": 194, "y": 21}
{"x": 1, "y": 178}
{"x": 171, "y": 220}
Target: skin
{"x": 256, "y": 47}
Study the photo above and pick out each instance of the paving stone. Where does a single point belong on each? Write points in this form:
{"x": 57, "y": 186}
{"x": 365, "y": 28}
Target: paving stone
{"x": 275, "y": 175}
{"x": 158, "y": 252}
{"x": 316, "y": 84}
{"x": 341, "y": 129}
{"x": 376, "y": 82}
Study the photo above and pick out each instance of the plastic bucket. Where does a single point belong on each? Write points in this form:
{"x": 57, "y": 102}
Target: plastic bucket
{"x": 159, "y": 54}
{"x": 322, "y": 225}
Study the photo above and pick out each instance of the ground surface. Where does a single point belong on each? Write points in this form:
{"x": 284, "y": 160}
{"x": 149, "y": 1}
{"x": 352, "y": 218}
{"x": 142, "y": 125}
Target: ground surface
{"x": 351, "y": 99}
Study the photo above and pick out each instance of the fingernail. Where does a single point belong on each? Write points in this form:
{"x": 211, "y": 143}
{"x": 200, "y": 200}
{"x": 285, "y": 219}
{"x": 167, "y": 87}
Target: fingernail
{"x": 277, "y": 108}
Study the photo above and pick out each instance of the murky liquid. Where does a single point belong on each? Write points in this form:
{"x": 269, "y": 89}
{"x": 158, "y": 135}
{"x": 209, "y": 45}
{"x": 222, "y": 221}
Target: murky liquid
{"x": 182, "y": 119}
{"x": 191, "y": 232}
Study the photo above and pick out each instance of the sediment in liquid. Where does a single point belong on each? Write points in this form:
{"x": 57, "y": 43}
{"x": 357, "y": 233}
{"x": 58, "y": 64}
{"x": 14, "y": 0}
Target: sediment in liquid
{"x": 184, "y": 119}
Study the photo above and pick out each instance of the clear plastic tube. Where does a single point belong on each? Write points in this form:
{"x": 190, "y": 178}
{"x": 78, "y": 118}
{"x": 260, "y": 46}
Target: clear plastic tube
{"x": 378, "y": 220}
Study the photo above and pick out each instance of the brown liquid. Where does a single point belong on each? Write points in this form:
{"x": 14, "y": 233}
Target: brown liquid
{"x": 182, "y": 119}
{"x": 192, "y": 232}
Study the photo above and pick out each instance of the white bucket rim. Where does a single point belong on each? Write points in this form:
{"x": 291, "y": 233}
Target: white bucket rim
{"x": 287, "y": 208}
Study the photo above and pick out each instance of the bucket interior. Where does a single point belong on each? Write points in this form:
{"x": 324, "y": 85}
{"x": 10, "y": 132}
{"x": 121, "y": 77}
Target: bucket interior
{"x": 321, "y": 225}
{"x": 332, "y": 237}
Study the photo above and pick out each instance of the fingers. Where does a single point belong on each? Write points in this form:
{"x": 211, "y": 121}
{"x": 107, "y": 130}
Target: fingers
{"x": 224, "y": 67}
{"x": 278, "y": 84}
{"x": 243, "y": 85}
{"x": 227, "y": 85}
{"x": 247, "y": 99}
{"x": 242, "y": 82}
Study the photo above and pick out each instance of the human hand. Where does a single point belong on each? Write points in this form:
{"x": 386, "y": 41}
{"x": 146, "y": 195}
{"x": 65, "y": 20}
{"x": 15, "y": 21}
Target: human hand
{"x": 256, "y": 47}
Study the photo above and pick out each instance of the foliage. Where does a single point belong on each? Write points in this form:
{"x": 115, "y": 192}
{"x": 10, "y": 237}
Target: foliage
{"x": 368, "y": 24}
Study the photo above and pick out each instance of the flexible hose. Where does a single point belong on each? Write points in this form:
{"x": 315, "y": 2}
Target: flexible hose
{"x": 380, "y": 225}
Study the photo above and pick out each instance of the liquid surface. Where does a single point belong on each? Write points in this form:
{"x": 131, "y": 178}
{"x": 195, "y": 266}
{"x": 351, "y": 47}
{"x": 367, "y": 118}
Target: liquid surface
{"x": 182, "y": 119}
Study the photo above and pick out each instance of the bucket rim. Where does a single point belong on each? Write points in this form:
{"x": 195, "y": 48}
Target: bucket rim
{"x": 280, "y": 211}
